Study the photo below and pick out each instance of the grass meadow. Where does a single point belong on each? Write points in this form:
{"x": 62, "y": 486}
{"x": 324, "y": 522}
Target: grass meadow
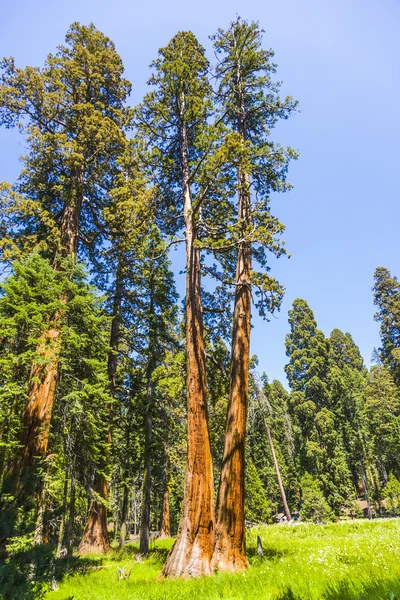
{"x": 346, "y": 561}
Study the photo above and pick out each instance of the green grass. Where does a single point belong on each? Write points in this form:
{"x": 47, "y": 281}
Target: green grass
{"x": 343, "y": 561}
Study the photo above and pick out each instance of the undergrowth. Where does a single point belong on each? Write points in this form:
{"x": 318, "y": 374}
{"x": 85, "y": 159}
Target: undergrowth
{"x": 343, "y": 561}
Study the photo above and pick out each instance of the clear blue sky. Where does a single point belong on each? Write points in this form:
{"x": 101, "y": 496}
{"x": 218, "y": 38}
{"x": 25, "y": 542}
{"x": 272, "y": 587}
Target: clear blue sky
{"x": 341, "y": 61}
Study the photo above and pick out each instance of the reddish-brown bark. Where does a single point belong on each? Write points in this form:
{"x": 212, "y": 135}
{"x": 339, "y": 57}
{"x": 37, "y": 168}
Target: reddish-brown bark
{"x": 95, "y": 537}
{"x": 36, "y": 418}
{"x": 230, "y": 551}
{"x": 191, "y": 553}
{"x": 165, "y": 528}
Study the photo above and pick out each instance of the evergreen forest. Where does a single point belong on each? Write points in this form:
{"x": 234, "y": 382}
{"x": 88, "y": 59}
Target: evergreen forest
{"x": 131, "y": 413}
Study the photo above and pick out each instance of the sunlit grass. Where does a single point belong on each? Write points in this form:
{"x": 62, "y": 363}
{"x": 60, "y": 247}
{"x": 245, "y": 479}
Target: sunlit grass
{"x": 343, "y": 561}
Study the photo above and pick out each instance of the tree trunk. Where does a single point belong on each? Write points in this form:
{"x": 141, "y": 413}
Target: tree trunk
{"x": 61, "y": 531}
{"x": 71, "y": 517}
{"x": 230, "y": 544}
{"x": 165, "y": 528}
{"x": 145, "y": 519}
{"x": 37, "y": 413}
{"x": 95, "y": 537}
{"x": 230, "y": 533}
{"x": 191, "y": 553}
{"x": 276, "y": 466}
{"x": 124, "y": 516}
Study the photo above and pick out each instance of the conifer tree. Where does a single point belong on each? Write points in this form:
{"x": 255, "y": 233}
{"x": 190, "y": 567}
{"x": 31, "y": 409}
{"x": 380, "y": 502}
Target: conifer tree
{"x": 382, "y": 406}
{"x": 174, "y": 117}
{"x": 75, "y": 436}
{"x": 250, "y": 106}
{"x": 72, "y": 113}
{"x": 319, "y": 444}
{"x": 387, "y": 300}
{"x": 117, "y": 266}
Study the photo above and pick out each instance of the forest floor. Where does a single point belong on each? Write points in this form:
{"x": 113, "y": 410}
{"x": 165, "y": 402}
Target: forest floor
{"x": 341, "y": 561}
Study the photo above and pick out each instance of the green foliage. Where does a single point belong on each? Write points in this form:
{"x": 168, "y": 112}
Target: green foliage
{"x": 314, "y": 507}
{"x": 387, "y": 300}
{"x": 31, "y": 296}
{"x": 319, "y": 442}
{"x": 256, "y": 504}
{"x": 72, "y": 112}
{"x": 382, "y": 407}
{"x": 392, "y": 493}
{"x": 249, "y": 105}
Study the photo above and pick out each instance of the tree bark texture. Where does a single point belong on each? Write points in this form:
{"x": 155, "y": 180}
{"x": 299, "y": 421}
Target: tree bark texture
{"x": 95, "y": 537}
{"x": 230, "y": 550}
{"x": 165, "y": 529}
{"x": 191, "y": 553}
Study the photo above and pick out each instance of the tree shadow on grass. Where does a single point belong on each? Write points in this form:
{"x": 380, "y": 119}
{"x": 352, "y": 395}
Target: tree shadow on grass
{"x": 375, "y": 590}
{"x": 345, "y": 590}
{"x": 155, "y": 554}
{"x": 27, "y": 574}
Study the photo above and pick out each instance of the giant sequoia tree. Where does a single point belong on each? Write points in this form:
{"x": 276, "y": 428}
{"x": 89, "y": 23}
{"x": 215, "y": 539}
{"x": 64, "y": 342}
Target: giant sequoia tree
{"x": 250, "y": 107}
{"x": 174, "y": 117}
{"x": 72, "y": 113}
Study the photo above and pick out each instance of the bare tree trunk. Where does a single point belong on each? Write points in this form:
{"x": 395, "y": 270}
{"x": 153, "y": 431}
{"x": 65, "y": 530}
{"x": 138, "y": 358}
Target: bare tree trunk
{"x": 191, "y": 553}
{"x": 95, "y": 537}
{"x": 165, "y": 528}
{"x": 61, "y": 531}
{"x": 276, "y": 466}
{"x": 230, "y": 544}
{"x": 124, "y": 516}
{"x": 41, "y": 535}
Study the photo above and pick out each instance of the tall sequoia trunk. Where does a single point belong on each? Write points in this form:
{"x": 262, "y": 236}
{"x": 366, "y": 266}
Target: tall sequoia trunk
{"x": 230, "y": 550}
{"x": 95, "y": 537}
{"x": 191, "y": 553}
{"x": 230, "y": 533}
{"x": 276, "y": 466}
{"x": 38, "y": 410}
